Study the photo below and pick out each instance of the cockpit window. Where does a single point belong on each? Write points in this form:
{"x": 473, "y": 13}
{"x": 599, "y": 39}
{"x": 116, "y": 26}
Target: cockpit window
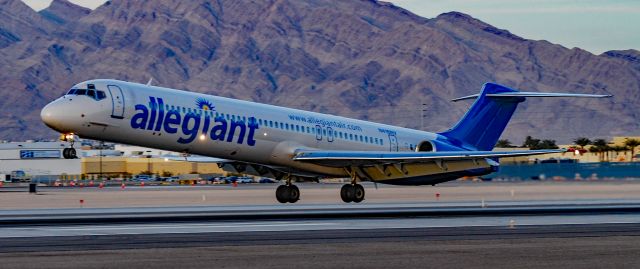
{"x": 95, "y": 94}
{"x": 101, "y": 95}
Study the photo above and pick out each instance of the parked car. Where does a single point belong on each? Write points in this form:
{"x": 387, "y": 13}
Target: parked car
{"x": 230, "y": 179}
{"x": 266, "y": 180}
{"x": 143, "y": 178}
{"x": 245, "y": 180}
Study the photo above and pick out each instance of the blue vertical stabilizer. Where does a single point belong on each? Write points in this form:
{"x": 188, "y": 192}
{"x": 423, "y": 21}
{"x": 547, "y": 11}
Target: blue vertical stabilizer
{"x": 482, "y": 125}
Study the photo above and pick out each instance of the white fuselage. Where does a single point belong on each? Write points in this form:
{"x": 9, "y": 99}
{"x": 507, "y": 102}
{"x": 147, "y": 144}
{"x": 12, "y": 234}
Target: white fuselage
{"x": 219, "y": 127}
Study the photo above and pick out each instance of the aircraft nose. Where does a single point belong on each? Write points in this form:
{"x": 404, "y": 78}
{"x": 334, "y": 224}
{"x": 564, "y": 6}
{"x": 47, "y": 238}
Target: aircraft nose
{"x": 53, "y": 116}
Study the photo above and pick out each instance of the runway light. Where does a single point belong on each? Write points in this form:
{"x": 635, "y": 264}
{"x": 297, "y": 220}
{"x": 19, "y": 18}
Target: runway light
{"x": 166, "y": 159}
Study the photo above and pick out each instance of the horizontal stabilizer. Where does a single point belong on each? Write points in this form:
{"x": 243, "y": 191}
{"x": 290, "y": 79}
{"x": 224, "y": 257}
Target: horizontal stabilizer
{"x": 533, "y": 94}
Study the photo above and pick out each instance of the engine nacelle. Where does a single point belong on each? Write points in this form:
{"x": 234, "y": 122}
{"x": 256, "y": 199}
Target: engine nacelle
{"x": 436, "y": 145}
{"x": 426, "y": 146}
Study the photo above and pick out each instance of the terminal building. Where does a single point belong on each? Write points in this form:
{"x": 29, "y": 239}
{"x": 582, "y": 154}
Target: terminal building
{"x": 45, "y": 160}
{"x": 37, "y": 159}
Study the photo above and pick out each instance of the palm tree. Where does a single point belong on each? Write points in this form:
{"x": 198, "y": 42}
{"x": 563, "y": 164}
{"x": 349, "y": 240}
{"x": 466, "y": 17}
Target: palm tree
{"x": 600, "y": 146}
{"x": 582, "y": 141}
{"x": 632, "y": 144}
{"x": 504, "y": 143}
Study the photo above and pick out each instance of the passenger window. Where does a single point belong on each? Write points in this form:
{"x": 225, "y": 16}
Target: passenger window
{"x": 297, "y": 128}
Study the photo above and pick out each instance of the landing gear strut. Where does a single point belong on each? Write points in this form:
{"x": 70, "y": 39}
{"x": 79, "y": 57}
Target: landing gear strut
{"x": 288, "y": 193}
{"x": 69, "y": 153}
{"x": 353, "y": 192}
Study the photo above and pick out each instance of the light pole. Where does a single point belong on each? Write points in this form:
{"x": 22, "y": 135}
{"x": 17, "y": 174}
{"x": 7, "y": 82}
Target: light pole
{"x": 422, "y": 116}
{"x": 100, "y": 152}
{"x": 149, "y": 162}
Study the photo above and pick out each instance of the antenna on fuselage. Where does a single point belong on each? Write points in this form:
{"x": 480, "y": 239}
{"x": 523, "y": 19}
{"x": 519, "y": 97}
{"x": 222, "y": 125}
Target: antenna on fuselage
{"x": 149, "y": 82}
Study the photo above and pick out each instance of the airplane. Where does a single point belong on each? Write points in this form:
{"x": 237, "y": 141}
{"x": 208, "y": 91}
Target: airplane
{"x": 287, "y": 144}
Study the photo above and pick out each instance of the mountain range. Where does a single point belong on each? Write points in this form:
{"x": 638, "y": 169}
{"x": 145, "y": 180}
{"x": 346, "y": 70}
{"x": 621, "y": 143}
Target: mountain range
{"x": 356, "y": 58}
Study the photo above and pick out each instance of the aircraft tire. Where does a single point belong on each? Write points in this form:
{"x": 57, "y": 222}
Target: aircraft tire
{"x": 358, "y": 193}
{"x": 294, "y": 194}
{"x": 282, "y": 193}
{"x": 65, "y": 153}
{"x": 72, "y": 153}
{"x": 346, "y": 193}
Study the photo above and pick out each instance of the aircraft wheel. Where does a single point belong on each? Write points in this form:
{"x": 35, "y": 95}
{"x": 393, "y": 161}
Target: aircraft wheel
{"x": 294, "y": 194}
{"x": 65, "y": 153}
{"x": 72, "y": 153}
{"x": 282, "y": 194}
{"x": 346, "y": 193}
{"x": 358, "y": 193}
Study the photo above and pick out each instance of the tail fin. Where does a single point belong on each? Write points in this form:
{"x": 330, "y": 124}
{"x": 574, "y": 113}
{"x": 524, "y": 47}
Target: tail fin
{"x": 482, "y": 125}
{"x": 487, "y": 118}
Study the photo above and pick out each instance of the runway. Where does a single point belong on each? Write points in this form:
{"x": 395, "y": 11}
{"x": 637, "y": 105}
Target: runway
{"x": 559, "y": 233}
{"x": 232, "y": 236}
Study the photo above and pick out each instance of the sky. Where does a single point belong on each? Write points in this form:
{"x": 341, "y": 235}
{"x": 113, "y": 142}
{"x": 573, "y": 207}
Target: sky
{"x": 593, "y": 25}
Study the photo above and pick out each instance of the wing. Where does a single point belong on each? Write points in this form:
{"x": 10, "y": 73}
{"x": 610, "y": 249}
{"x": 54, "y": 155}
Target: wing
{"x": 336, "y": 158}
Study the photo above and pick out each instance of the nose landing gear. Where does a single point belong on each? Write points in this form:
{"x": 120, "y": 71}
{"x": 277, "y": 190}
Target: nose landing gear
{"x": 70, "y": 152}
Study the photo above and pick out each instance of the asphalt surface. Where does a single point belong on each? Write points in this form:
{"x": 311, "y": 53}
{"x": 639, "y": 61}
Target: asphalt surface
{"x": 583, "y": 234}
{"x": 583, "y": 225}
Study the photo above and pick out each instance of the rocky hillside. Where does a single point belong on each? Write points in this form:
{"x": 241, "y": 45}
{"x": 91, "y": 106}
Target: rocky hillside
{"x": 355, "y": 58}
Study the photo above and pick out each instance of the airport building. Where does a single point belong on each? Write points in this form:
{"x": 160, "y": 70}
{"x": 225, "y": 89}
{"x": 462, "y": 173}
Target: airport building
{"x": 37, "y": 158}
{"x": 127, "y": 166}
{"x": 45, "y": 160}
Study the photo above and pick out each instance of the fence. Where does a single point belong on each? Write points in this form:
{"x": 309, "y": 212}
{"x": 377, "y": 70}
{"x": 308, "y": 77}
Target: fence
{"x": 568, "y": 171}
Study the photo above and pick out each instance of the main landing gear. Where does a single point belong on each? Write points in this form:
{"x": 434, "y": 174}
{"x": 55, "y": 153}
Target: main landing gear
{"x": 353, "y": 192}
{"x": 288, "y": 193}
{"x": 69, "y": 153}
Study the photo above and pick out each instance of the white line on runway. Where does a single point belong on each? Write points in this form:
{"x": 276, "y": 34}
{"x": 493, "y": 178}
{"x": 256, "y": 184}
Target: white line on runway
{"x": 338, "y": 224}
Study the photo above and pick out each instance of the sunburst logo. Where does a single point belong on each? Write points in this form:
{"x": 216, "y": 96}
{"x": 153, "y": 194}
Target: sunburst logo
{"x": 204, "y": 104}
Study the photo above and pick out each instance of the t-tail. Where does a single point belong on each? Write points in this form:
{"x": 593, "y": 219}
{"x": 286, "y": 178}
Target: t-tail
{"x": 483, "y": 124}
